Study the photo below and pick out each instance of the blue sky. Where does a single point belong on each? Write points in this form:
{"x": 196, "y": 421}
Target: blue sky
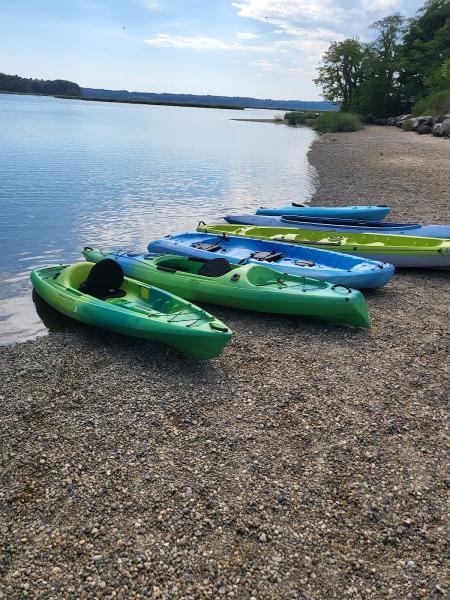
{"x": 261, "y": 48}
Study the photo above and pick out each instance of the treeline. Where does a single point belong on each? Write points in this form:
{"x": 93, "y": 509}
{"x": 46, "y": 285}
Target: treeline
{"x": 14, "y": 83}
{"x": 407, "y": 64}
{"x": 207, "y": 100}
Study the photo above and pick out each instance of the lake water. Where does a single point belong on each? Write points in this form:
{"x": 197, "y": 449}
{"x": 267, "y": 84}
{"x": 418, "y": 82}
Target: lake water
{"x": 75, "y": 173}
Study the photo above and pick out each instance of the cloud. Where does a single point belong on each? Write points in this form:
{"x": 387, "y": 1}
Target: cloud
{"x": 163, "y": 40}
{"x": 379, "y": 5}
{"x": 285, "y": 13}
{"x": 151, "y": 4}
{"x": 247, "y": 36}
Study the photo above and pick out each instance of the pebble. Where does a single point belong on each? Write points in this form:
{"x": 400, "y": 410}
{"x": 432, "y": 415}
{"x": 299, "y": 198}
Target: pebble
{"x": 305, "y": 462}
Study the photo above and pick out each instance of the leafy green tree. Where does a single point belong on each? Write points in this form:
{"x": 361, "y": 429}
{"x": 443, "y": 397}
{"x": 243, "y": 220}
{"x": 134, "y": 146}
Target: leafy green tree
{"x": 425, "y": 60}
{"x": 380, "y": 92}
{"x": 14, "y": 83}
{"x": 342, "y": 72}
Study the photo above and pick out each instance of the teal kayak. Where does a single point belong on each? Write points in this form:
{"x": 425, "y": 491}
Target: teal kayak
{"x": 368, "y": 213}
{"x": 100, "y": 295}
{"x": 250, "y": 287}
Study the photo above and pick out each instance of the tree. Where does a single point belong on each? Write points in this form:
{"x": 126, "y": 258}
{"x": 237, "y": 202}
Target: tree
{"x": 342, "y": 72}
{"x": 380, "y": 91}
{"x": 14, "y": 83}
{"x": 425, "y": 57}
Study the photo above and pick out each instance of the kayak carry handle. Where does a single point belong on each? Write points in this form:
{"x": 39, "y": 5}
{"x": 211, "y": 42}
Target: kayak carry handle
{"x": 217, "y": 327}
{"x": 166, "y": 269}
{"x": 201, "y": 223}
{"x": 338, "y": 285}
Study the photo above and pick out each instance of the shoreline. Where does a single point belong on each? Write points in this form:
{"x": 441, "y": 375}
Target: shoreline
{"x": 305, "y": 462}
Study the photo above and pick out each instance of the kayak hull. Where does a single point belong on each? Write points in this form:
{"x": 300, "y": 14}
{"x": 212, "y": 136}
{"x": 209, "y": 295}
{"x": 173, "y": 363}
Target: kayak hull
{"x": 249, "y": 287}
{"x": 144, "y": 312}
{"x": 342, "y": 225}
{"x": 401, "y": 251}
{"x": 368, "y": 213}
{"x": 295, "y": 260}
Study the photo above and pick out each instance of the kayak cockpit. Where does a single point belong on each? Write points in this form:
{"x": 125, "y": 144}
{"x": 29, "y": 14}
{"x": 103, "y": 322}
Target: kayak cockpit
{"x": 215, "y": 267}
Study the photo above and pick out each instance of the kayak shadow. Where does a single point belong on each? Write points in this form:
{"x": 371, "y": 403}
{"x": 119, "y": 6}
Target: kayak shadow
{"x": 52, "y": 319}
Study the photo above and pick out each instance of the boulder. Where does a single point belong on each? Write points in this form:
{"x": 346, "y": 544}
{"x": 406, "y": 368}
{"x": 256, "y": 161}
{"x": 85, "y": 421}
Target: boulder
{"x": 436, "y": 131}
{"x": 419, "y": 121}
{"x": 424, "y": 128}
{"x": 445, "y": 128}
{"x": 391, "y": 121}
{"x": 439, "y": 119}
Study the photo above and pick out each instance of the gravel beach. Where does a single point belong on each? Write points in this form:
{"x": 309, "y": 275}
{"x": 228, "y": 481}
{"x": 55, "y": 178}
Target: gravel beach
{"x": 309, "y": 461}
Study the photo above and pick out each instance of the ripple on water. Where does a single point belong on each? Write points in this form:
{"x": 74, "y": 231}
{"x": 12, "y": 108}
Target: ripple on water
{"x": 75, "y": 174}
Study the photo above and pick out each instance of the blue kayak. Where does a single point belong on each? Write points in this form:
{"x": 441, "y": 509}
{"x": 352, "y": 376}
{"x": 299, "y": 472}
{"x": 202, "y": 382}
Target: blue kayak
{"x": 342, "y": 225}
{"x": 368, "y": 213}
{"x": 335, "y": 267}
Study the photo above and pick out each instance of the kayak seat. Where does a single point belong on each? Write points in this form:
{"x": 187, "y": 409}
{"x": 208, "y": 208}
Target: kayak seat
{"x": 305, "y": 263}
{"x": 104, "y": 280}
{"x": 267, "y": 256}
{"x": 215, "y": 268}
{"x": 298, "y": 205}
{"x": 205, "y": 246}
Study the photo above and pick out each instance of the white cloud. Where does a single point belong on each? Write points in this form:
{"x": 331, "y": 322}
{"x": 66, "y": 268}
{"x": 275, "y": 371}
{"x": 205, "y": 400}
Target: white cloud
{"x": 379, "y": 5}
{"x": 163, "y": 40}
{"x": 283, "y": 13}
{"x": 247, "y": 36}
{"x": 151, "y": 4}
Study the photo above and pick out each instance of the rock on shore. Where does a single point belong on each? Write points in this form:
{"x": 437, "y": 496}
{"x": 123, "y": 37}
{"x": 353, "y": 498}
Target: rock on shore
{"x": 308, "y": 461}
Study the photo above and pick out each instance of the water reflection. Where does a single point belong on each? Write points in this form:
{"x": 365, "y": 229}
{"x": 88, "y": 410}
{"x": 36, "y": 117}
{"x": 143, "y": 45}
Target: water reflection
{"x": 75, "y": 174}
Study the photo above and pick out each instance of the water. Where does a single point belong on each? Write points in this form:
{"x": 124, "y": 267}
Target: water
{"x": 75, "y": 173}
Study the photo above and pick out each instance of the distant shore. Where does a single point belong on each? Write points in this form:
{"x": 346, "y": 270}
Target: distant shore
{"x": 156, "y": 102}
{"x": 308, "y": 461}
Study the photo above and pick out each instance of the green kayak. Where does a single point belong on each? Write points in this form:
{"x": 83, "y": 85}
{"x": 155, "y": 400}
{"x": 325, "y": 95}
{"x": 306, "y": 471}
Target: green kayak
{"x": 398, "y": 250}
{"x": 249, "y": 287}
{"x": 99, "y": 295}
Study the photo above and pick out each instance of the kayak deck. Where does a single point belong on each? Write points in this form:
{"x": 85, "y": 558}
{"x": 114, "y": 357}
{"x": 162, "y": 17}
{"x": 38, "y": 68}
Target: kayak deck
{"x": 251, "y": 286}
{"x": 135, "y": 309}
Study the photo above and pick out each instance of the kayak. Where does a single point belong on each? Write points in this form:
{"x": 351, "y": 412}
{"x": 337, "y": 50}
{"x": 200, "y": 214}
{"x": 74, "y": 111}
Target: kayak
{"x": 100, "y": 295}
{"x": 315, "y": 263}
{"x": 345, "y": 225}
{"x": 368, "y": 213}
{"x": 249, "y": 287}
{"x": 401, "y": 251}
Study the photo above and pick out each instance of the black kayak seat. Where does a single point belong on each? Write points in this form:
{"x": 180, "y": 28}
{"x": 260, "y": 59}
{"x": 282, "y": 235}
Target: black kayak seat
{"x": 206, "y": 246}
{"x": 104, "y": 280}
{"x": 298, "y": 205}
{"x": 215, "y": 268}
{"x": 270, "y": 256}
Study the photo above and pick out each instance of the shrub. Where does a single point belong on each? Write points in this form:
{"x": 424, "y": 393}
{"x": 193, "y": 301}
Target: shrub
{"x": 278, "y": 118}
{"x": 337, "y": 121}
{"x": 295, "y": 117}
{"x": 407, "y": 125}
{"x": 437, "y": 103}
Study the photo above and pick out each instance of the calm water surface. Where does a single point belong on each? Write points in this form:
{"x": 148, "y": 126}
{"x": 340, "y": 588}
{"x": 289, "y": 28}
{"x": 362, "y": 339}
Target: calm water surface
{"x": 76, "y": 173}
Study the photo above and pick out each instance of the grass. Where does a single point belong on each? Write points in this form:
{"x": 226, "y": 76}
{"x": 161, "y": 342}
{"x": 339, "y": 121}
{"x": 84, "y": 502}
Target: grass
{"x": 295, "y": 117}
{"x": 407, "y": 125}
{"x": 157, "y": 102}
{"x": 434, "y": 104}
{"x": 331, "y": 122}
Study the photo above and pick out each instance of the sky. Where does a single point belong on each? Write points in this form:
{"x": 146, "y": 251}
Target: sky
{"x": 259, "y": 48}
